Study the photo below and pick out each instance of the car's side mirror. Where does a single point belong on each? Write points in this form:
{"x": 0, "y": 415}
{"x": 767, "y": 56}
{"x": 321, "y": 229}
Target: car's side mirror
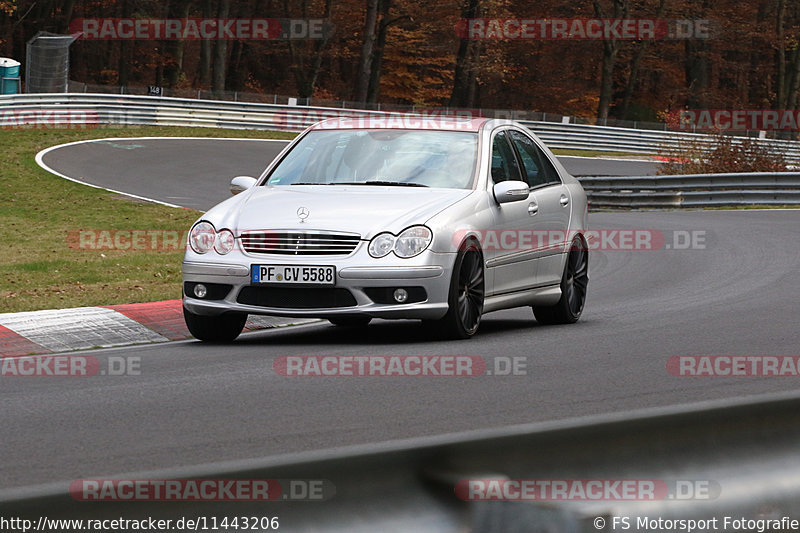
{"x": 241, "y": 184}
{"x": 510, "y": 191}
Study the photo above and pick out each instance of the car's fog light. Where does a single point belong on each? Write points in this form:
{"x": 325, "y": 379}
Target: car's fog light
{"x": 400, "y": 295}
{"x": 200, "y": 290}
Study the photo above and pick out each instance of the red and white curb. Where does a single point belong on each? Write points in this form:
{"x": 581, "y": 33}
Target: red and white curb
{"x": 83, "y": 328}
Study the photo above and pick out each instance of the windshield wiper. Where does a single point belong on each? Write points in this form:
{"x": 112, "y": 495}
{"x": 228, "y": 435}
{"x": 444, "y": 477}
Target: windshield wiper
{"x": 331, "y": 183}
{"x": 403, "y": 183}
{"x": 379, "y": 182}
{"x": 372, "y": 182}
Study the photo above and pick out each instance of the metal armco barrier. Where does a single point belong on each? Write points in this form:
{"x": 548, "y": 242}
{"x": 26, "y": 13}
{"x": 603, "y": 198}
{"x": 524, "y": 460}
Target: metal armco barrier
{"x": 736, "y": 459}
{"x": 146, "y": 110}
{"x": 94, "y": 109}
{"x": 695, "y": 190}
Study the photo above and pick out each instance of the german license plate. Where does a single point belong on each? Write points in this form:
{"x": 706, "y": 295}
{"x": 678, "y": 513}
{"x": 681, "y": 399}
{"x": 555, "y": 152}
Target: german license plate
{"x": 293, "y": 274}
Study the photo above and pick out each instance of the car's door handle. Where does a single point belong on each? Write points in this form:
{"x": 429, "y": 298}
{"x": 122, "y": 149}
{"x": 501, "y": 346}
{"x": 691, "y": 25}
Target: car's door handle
{"x": 533, "y": 208}
{"x": 564, "y": 201}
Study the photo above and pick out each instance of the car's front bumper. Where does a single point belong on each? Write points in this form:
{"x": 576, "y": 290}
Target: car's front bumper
{"x": 429, "y": 272}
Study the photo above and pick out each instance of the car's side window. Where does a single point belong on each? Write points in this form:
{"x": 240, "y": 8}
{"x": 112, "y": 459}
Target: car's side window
{"x": 549, "y": 170}
{"x": 532, "y": 168}
{"x": 538, "y": 168}
{"x": 504, "y": 162}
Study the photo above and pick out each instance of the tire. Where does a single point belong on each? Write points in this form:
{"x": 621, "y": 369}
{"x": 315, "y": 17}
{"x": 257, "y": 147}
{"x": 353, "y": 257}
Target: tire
{"x": 219, "y": 328}
{"x": 351, "y": 321}
{"x": 465, "y": 299}
{"x": 574, "y": 282}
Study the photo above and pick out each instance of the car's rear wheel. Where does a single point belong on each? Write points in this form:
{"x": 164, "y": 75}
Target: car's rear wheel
{"x": 350, "y": 321}
{"x": 574, "y": 283}
{"x": 220, "y": 328}
{"x": 465, "y": 300}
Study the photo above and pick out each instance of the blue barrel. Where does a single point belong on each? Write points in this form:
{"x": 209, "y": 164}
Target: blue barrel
{"x": 9, "y": 76}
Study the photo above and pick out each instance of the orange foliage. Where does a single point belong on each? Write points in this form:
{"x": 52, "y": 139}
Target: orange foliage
{"x": 420, "y": 54}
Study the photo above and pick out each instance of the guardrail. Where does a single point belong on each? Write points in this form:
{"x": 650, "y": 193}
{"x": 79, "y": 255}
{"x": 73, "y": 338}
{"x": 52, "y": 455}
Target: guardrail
{"x": 695, "y": 190}
{"x": 92, "y": 109}
{"x": 736, "y": 459}
{"x": 264, "y": 98}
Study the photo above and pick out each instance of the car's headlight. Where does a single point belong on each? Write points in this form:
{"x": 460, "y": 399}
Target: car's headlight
{"x": 381, "y": 245}
{"x": 225, "y": 242}
{"x": 412, "y": 241}
{"x": 202, "y": 237}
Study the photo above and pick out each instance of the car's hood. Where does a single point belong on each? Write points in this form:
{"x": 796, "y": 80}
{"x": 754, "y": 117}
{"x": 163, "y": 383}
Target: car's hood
{"x": 366, "y": 210}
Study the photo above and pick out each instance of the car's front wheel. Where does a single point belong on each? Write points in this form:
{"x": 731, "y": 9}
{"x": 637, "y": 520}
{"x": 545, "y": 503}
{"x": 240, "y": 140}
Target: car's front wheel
{"x": 467, "y": 288}
{"x": 574, "y": 282}
{"x": 220, "y": 328}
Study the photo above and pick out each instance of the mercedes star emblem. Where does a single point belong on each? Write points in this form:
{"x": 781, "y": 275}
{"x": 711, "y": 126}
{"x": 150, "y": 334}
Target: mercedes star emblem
{"x": 302, "y": 213}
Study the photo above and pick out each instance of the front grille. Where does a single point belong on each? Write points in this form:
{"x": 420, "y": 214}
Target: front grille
{"x": 280, "y": 242}
{"x": 296, "y": 297}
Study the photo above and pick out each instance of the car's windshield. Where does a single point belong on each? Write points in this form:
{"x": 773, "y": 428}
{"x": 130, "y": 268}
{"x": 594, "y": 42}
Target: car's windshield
{"x": 442, "y": 159}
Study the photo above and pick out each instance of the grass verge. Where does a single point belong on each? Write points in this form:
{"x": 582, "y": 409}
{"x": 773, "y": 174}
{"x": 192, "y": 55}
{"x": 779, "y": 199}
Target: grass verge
{"x": 41, "y": 213}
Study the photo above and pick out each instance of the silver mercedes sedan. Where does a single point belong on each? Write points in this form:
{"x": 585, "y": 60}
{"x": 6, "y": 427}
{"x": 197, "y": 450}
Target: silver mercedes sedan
{"x": 440, "y": 218}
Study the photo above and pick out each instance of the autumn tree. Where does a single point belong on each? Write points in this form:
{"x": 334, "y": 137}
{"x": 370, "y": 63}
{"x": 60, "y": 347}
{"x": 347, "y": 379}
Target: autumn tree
{"x": 465, "y": 82}
{"x": 619, "y": 10}
{"x": 307, "y": 57}
{"x": 407, "y": 52}
{"x": 220, "y": 52}
{"x": 173, "y": 70}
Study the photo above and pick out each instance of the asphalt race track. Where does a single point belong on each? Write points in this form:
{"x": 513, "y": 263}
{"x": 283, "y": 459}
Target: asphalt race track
{"x": 196, "y": 172}
{"x": 732, "y": 294}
